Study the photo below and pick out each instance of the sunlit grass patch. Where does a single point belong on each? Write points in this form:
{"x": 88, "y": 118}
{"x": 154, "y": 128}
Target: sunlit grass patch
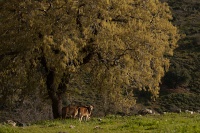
{"x": 169, "y": 123}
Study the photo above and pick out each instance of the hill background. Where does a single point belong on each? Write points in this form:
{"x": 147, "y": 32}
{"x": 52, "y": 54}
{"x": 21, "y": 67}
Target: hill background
{"x": 181, "y": 85}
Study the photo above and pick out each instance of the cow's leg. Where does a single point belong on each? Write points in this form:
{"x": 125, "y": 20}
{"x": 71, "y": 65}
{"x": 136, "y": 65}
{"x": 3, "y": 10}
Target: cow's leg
{"x": 75, "y": 113}
{"x": 80, "y": 118}
{"x": 65, "y": 116}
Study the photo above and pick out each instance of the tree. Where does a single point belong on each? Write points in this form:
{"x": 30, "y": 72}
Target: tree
{"x": 123, "y": 45}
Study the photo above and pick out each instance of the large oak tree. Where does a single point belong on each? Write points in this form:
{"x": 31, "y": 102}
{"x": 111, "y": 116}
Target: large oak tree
{"x": 123, "y": 44}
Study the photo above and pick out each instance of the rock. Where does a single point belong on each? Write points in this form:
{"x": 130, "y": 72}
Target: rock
{"x": 71, "y": 126}
{"x": 145, "y": 111}
{"x": 97, "y": 127}
{"x": 11, "y": 122}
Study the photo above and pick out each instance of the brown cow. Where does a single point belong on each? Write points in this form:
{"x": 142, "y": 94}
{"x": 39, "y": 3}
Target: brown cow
{"x": 85, "y": 111}
{"x": 69, "y": 111}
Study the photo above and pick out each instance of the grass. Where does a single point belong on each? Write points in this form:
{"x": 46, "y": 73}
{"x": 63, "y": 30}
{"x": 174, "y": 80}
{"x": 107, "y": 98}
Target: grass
{"x": 168, "y": 123}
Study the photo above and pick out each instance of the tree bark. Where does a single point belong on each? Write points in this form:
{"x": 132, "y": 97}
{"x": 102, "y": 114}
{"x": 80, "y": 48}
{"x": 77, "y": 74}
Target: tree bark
{"x": 57, "y": 107}
{"x": 55, "y": 95}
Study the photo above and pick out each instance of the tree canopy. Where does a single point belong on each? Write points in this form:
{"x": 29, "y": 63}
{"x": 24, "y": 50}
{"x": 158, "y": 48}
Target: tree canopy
{"x": 122, "y": 46}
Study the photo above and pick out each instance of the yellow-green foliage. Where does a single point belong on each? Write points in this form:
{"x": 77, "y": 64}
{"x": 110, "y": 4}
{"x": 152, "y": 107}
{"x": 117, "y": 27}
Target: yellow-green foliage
{"x": 133, "y": 39}
{"x": 126, "y": 41}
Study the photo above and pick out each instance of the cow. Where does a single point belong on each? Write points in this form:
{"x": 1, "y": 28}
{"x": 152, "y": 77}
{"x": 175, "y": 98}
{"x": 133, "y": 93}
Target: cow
{"x": 69, "y": 111}
{"x": 85, "y": 111}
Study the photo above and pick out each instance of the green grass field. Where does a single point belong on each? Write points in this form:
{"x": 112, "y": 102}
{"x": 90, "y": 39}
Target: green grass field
{"x": 169, "y": 123}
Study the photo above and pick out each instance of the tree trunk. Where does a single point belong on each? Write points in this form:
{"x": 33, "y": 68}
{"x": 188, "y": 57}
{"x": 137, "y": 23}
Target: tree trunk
{"x": 55, "y": 97}
{"x": 55, "y": 92}
{"x": 57, "y": 107}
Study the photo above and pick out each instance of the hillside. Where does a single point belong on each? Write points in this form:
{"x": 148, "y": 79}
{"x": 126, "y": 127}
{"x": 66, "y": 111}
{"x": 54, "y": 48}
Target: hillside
{"x": 183, "y": 79}
{"x": 184, "y": 69}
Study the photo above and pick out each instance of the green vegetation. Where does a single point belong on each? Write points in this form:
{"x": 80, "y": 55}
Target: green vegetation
{"x": 182, "y": 81}
{"x": 110, "y": 53}
{"x": 184, "y": 69}
{"x": 184, "y": 101}
{"x": 168, "y": 123}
